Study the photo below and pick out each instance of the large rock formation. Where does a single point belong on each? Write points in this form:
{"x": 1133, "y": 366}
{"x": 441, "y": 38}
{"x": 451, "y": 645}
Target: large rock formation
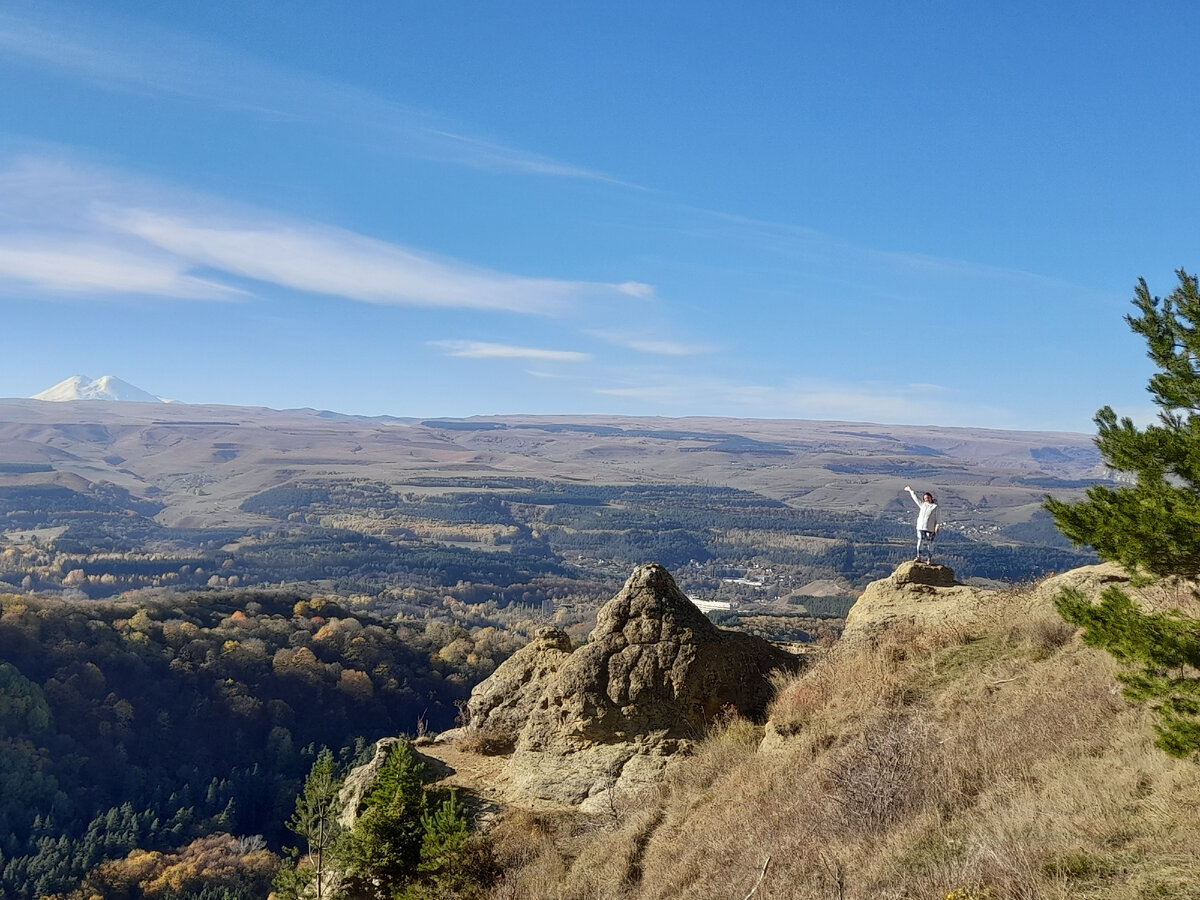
{"x": 917, "y": 593}
{"x": 654, "y": 673}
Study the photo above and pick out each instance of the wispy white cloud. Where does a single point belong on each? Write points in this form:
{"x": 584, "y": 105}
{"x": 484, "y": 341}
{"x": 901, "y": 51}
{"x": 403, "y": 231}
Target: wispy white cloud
{"x": 61, "y": 44}
{"x": 131, "y": 57}
{"x": 807, "y": 253}
{"x": 665, "y": 348}
{"x": 552, "y": 376}
{"x": 66, "y": 227}
{"x": 636, "y": 289}
{"x": 340, "y": 263}
{"x": 810, "y": 399}
{"x": 79, "y": 268}
{"x": 489, "y": 350}
{"x": 655, "y": 346}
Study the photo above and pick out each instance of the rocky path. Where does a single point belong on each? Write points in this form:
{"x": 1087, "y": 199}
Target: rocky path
{"x": 480, "y": 780}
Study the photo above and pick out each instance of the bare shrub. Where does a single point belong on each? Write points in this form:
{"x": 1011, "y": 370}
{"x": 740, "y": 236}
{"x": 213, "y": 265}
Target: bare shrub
{"x": 910, "y": 640}
{"x": 613, "y": 863}
{"x": 250, "y": 844}
{"x": 795, "y": 705}
{"x": 1046, "y": 633}
{"x": 534, "y": 850}
{"x": 485, "y": 742}
{"x": 880, "y": 778}
{"x": 1009, "y": 864}
{"x": 731, "y": 725}
{"x": 462, "y": 718}
{"x": 731, "y": 742}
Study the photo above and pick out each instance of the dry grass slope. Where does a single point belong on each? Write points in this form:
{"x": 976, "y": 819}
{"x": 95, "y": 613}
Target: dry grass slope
{"x": 997, "y": 760}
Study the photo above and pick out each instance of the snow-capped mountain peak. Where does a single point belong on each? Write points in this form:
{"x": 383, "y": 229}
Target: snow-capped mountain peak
{"x": 107, "y": 387}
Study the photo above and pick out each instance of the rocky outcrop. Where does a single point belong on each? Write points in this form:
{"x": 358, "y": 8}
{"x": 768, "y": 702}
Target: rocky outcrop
{"x": 1157, "y": 595}
{"x": 358, "y": 782}
{"x": 1091, "y": 580}
{"x": 928, "y": 595}
{"x": 917, "y": 593}
{"x": 362, "y": 778}
{"x": 501, "y": 705}
{"x": 654, "y": 673}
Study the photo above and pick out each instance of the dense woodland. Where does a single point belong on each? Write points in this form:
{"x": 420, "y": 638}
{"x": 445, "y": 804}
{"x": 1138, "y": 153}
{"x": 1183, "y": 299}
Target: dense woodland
{"x": 129, "y": 726}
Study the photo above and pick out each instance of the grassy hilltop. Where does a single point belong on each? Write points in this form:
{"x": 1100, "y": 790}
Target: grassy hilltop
{"x": 991, "y": 756}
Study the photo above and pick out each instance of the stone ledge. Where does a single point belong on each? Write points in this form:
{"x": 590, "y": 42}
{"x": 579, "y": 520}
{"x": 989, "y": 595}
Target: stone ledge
{"x": 933, "y": 574}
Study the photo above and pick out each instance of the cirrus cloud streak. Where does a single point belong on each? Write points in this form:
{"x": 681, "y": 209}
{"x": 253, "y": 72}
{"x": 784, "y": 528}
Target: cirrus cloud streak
{"x": 76, "y": 229}
{"x": 79, "y": 268}
{"x": 130, "y": 57}
{"x": 489, "y": 350}
{"x": 808, "y": 399}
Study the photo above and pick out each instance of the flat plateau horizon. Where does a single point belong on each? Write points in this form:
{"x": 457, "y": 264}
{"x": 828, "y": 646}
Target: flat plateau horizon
{"x": 113, "y": 389}
{"x": 202, "y": 461}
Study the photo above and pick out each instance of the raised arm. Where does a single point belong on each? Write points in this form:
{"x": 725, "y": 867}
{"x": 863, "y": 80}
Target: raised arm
{"x": 913, "y": 494}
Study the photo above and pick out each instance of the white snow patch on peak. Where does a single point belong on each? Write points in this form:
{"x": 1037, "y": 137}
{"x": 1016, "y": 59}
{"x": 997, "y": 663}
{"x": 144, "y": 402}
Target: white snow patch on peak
{"x": 107, "y": 387}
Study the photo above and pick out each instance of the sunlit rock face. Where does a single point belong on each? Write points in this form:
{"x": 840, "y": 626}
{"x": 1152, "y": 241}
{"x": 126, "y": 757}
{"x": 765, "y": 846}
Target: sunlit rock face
{"x": 653, "y": 675}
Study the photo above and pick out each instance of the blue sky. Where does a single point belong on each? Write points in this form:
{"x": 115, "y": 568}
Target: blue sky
{"x": 926, "y": 213}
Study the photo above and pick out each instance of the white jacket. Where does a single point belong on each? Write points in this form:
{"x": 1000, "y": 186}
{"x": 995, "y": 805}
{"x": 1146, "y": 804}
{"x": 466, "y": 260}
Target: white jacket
{"x": 927, "y": 518}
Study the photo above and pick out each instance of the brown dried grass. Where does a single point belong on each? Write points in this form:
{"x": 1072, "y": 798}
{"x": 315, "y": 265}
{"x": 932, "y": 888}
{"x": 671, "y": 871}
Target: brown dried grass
{"x": 995, "y": 762}
{"x": 485, "y": 742}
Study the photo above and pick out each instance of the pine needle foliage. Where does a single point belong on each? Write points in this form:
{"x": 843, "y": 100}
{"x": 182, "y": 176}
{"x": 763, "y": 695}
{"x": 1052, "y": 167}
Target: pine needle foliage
{"x": 445, "y": 838}
{"x": 315, "y": 823}
{"x": 1152, "y": 527}
{"x": 1163, "y": 651}
{"x": 315, "y": 819}
{"x": 407, "y": 843}
{"x": 385, "y": 845}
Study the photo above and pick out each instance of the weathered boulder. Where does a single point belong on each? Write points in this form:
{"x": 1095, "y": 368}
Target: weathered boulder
{"x": 502, "y": 703}
{"x": 654, "y": 673}
{"x": 932, "y": 574}
{"x": 916, "y": 593}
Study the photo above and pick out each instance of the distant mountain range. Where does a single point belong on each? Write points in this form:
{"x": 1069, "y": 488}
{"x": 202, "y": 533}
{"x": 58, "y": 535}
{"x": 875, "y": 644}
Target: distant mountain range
{"x": 106, "y": 387}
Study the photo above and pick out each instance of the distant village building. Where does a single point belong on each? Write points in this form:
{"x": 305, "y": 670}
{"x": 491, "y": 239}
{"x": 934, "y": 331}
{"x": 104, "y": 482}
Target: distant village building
{"x": 749, "y": 582}
{"x": 710, "y": 605}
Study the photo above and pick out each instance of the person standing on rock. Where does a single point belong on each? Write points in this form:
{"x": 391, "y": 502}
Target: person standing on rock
{"x": 927, "y": 522}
